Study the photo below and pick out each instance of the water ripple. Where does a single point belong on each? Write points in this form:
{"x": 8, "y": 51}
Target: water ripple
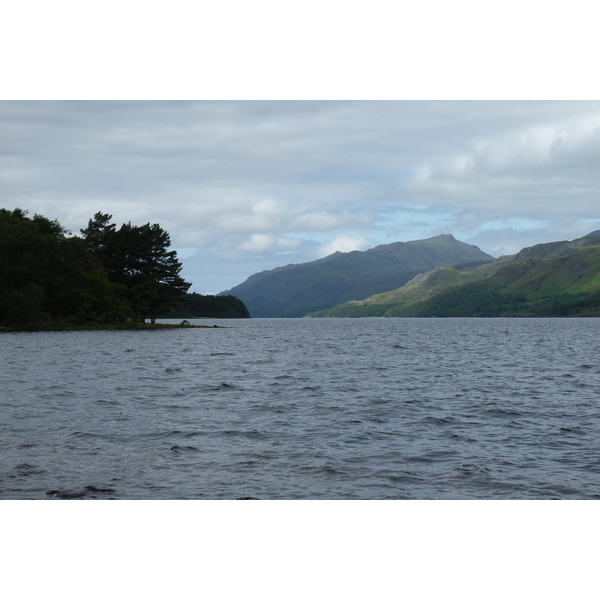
{"x": 354, "y": 409}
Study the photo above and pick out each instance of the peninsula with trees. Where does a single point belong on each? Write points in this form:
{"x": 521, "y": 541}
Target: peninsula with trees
{"x": 106, "y": 276}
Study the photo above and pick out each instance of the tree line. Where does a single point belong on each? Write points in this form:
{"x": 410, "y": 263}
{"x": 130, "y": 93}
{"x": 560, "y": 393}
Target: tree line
{"x": 104, "y": 275}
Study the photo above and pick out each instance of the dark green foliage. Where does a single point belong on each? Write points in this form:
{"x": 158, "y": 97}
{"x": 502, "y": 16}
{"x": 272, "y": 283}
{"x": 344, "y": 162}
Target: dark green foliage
{"x": 96, "y": 234}
{"x": 37, "y": 266}
{"x": 197, "y": 306}
{"x": 137, "y": 260}
{"x": 105, "y": 276}
{"x": 476, "y": 299}
{"x": 584, "y": 304}
{"x": 22, "y": 305}
{"x": 484, "y": 299}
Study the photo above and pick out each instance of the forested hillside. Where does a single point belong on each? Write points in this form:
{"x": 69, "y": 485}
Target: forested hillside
{"x": 106, "y": 275}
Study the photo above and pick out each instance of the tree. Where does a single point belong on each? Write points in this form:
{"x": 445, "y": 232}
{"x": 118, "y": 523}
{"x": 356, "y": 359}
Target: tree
{"x": 99, "y": 229}
{"x": 106, "y": 275}
{"x": 138, "y": 259}
{"x": 35, "y": 267}
{"x": 198, "y": 306}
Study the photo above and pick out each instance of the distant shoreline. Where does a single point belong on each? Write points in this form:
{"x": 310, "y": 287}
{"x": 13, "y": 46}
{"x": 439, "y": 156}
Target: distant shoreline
{"x": 103, "y": 327}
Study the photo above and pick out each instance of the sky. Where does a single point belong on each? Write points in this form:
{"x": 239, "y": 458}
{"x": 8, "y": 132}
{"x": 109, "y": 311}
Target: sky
{"x": 244, "y": 186}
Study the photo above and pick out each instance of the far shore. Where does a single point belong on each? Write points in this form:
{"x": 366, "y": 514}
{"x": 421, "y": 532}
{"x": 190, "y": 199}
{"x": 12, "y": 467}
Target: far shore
{"x": 103, "y": 326}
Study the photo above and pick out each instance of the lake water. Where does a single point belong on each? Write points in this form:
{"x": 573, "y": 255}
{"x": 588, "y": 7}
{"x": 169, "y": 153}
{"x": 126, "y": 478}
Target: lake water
{"x": 305, "y": 409}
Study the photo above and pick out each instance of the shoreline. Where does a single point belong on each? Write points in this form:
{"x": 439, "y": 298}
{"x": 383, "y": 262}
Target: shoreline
{"x": 101, "y": 327}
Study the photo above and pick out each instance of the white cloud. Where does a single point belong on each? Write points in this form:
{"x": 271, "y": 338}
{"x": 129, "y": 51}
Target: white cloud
{"x": 327, "y": 221}
{"x": 524, "y": 172}
{"x": 514, "y": 225}
{"x": 268, "y": 207}
{"x": 343, "y": 243}
{"x": 260, "y": 243}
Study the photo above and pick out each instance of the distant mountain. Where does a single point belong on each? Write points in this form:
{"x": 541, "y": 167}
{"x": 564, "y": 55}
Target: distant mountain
{"x": 294, "y": 290}
{"x": 554, "y": 279}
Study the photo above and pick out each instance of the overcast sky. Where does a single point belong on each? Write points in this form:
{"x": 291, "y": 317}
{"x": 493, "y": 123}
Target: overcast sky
{"x": 247, "y": 186}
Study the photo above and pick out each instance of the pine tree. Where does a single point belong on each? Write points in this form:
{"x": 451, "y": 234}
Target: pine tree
{"x": 138, "y": 259}
{"x": 106, "y": 275}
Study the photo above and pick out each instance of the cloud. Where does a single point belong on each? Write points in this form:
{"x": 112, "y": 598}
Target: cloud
{"x": 327, "y": 221}
{"x": 343, "y": 243}
{"x": 260, "y": 243}
{"x": 525, "y": 172}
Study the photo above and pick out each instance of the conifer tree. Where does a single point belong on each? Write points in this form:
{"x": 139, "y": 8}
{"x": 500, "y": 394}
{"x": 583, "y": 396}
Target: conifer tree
{"x": 138, "y": 260}
{"x": 108, "y": 274}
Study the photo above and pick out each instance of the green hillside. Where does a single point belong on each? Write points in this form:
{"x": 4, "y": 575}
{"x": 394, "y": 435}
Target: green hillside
{"x": 568, "y": 286}
{"x": 420, "y": 288}
{"x": 560, "y": 278}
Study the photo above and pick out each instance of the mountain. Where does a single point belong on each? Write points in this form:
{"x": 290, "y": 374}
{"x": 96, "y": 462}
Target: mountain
{"x": 294, "y": 290}
{"x": 558, "y": 278}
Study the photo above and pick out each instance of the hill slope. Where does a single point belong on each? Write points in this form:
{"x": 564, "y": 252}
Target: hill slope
{"x": 294, "y": 290}
{"x": 552, "y": 279}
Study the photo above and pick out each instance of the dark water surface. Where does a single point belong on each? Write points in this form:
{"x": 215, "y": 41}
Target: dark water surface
{"x": 305, "y": 409}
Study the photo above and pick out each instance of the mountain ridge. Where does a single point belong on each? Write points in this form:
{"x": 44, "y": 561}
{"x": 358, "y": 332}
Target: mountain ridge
{"x": 295, "y": 289}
